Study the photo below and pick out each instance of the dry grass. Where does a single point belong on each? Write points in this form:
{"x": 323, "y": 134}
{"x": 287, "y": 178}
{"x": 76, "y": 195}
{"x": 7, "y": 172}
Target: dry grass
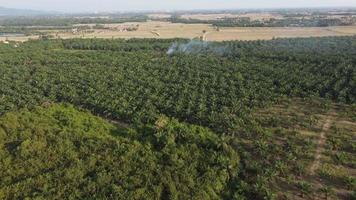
{"x": 18, "y": 39}
{"x": 266, "y": 33}
{"x": 170, "y": 30}
{"x": 177, "y": 30}
{"x": 147, "y": 30}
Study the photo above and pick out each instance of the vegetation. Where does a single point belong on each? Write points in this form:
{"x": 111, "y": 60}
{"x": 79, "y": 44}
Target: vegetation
{"x": 53, "y": 21}
{"x": 136, "y": 80}
{"x": 232, "y": 120}
{"x": 284, "y": 22}
{"x": 62, "y": 153}
{"x": 328, "y": 191}
{"x": 43, "y": 24}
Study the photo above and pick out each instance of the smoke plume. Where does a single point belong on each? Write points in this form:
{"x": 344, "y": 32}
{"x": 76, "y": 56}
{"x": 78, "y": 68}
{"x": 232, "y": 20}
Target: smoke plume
{"x": 197, "y": 47}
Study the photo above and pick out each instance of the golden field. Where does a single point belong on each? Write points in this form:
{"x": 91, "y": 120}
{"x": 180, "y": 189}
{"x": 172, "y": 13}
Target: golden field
{"x": 154, "y": 29}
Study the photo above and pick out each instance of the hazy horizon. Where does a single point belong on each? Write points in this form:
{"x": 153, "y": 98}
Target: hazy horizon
{"x": 142, "y": 5}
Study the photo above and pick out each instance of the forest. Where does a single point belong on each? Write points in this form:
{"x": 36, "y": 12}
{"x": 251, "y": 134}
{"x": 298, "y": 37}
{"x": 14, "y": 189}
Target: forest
{"x": 129, "y": 119}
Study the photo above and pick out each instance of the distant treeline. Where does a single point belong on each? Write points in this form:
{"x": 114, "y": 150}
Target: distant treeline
{"x": 34, "y": 30}
{"x": 285, "y": 22}
{"x": 34, "y": 25}
{"x": 288, "y": 21}
{"x": 67, "y": 21}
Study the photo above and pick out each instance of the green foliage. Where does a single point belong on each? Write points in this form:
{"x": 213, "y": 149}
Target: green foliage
{"x": 62, "y": 153}
{"x": 350, "y": 182}
{"x": 305, "y": 188}
{"x": 136, "y": 81}
{"x": 353, "y": 195}
{"x": 328, "y": 191}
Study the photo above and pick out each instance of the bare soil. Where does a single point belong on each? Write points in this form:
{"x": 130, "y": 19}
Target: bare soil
{"x": 320, "y": 148}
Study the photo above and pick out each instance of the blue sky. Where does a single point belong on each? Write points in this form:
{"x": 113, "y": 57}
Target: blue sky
{"x": 125, "y": 5}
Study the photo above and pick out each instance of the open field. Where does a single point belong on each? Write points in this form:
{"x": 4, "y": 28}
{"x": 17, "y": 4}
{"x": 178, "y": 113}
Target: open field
{"x": 176, "y": 30}
{"x": 149, "y": 30}
{"x": 19, "y": 39}
{"x": 266, "y": 33}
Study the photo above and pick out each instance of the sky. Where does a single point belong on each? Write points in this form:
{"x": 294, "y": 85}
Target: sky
{"x": 136, "y": 5}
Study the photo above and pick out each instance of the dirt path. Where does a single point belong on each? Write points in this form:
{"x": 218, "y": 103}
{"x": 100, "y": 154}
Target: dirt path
{"x": 320, "y": 148}
{"x": 204, "y": 38}
{"x": 119, "y": 123}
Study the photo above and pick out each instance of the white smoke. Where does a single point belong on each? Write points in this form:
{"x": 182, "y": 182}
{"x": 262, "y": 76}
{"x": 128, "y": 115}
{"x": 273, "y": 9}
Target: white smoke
{"x": 196, "y": 47}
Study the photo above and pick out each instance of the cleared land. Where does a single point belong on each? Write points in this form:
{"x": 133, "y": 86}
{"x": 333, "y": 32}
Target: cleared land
{"x": 320, "y": 149}
{"x": 148, "y": 30}
{"x": 266, "y": 33}
{"x": 177, "y": 30}
{"x": 326, "y": 134}
{"x": 18, "y": 38}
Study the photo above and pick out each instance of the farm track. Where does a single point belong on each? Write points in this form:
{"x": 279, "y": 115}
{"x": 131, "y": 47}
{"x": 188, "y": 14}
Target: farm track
{"x": 321, "y": 143}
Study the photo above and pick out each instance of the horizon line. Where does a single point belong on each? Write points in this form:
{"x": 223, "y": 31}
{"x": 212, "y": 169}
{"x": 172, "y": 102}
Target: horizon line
{"x": 179, "y": 10}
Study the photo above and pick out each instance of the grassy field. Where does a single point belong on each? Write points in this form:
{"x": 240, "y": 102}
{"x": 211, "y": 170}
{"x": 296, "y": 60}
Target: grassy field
{"x": 155, "y": 29}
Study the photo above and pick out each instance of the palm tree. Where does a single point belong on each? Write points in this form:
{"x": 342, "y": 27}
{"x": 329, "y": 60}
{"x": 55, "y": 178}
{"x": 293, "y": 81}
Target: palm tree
{"x": 328, "y": 191}
{"x": 305, "y": 188}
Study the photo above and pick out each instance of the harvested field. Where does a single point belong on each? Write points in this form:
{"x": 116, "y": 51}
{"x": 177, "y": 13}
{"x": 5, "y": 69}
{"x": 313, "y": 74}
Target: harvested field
{"x": 145, "y": 30}
{"x": 19, "y": 39}
{"x": 178, "y": 30}
{"x": 266, "y": 33}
